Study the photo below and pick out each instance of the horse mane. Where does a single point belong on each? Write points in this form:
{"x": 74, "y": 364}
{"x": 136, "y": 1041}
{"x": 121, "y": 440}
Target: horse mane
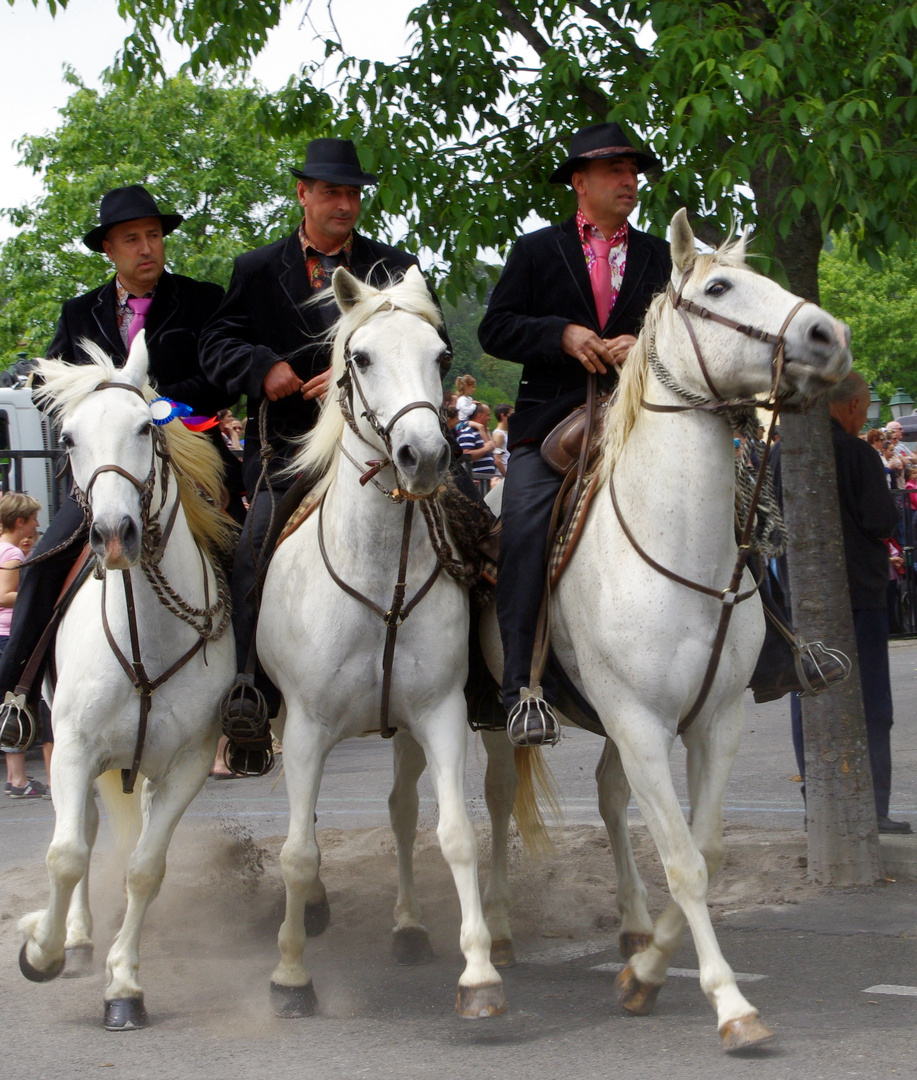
{"x": 320, "y": 445}
{"x": 198, "y": 467}
{"x": 623, "y": 412}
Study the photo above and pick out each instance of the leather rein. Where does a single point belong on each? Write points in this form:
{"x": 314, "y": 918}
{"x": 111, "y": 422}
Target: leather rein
{"x": 730, "y": 596}
{"x": 398, "y": 610}
{"x": 135, "y": 668}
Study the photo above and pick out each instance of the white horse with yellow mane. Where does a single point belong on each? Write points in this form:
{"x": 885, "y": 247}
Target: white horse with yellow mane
{"x": 635, "y": 639}
{"x": 143, "y": 655}
{"x": 360, "y": 621}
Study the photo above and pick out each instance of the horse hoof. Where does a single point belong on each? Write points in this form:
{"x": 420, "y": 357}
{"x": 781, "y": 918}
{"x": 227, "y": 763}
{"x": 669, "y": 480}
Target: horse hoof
{"x": 77, "y": 962}
{"x": 32, "y": 973}
{"x": 316, "y": 917}
{"x": 628, "y": 944}
{"x": 125, "y": 1014}
{"x": 502, "y": 954}
{"x": 745, "y": 1031}
{"x": 412, "y": 946}
{"x": 292, "y": 1002}
{"x": 633, "y": 996}
{"x": 480, "y": 1002}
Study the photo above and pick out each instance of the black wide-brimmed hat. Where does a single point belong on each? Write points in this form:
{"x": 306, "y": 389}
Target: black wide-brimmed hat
{"x": 335, "y": 161}
{"x": 601, "y": 141}
{"x": 127, "y": 204}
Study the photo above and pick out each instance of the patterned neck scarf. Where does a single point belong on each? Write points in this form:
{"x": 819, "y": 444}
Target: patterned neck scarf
{"x": 617, "y": 257}
{"x": 320, "y": 265}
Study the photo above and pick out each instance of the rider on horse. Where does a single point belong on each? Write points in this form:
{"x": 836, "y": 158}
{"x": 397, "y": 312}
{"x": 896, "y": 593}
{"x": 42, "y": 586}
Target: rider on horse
{"x": 172, "y": 310}
{"x": 569, "y": 303}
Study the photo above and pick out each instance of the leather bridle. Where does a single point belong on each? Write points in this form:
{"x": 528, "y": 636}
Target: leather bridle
{"x": 154, "y": 543}
{"x": 730, "y": 596}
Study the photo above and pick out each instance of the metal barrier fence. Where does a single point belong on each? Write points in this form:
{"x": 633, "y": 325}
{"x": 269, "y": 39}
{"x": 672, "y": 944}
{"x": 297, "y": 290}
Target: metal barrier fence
{"x": 11, "y": 476}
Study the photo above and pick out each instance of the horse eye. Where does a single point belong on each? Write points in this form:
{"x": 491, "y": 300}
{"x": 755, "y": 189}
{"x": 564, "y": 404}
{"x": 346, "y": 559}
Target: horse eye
{"x": 66, "y": 443}
{"x": 717, "y": 288}
{"x": 361, "y": 360}
{"x": 444, "y": 360}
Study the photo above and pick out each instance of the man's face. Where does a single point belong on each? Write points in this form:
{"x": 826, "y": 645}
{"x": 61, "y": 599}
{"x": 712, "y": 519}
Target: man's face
{"x": 606, "y": 190}
{"x": 137, "y": 250}
{"x": 330, "y": 210}
{"x": 482, "y": 416}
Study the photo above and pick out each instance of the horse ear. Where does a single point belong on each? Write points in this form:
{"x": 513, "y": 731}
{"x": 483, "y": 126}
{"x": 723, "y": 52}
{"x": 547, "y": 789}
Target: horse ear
{"x": 347, "y": 288}
{"x": 138, "y": 362}
{"x": 415, "y": 278}
{"x": 684, "y": 251}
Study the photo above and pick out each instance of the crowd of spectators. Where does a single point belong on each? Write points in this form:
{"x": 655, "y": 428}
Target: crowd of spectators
{"x": 484, "y": 447}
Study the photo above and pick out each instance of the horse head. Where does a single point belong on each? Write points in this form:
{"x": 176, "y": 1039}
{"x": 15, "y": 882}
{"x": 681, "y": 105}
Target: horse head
{"x": 110, "y": 442}
{"x": 735, "y": 331}
{"x": 388, "y": 360}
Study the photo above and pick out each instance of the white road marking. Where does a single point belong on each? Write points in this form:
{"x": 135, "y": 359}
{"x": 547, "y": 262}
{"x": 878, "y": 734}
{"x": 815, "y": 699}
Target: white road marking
{"x": 561, "y": 953}
{"x": 886, "y": 988}
{"x": 684, "y": 973}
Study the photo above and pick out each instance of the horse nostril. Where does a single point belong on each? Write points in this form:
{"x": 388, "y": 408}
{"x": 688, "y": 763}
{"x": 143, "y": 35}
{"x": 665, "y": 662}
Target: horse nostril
{"x": 821, "y": 334}
{"x": 96, "y": 540}
{"x": 128, "y": 533}
{"x": 407, "y": 459}
{"x": 445, "y": 459}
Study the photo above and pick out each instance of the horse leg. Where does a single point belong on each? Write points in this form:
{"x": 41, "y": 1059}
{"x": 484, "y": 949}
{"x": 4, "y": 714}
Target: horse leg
{"x": 162, "y": 804}
{"x": 644, "y": 749}
{"x": 292, "y": 993}
{"x": 614, "y": 794}
{"x": 445, "y": 744}
{"x": 409, "y": 938}
{"x": 501, "y": 781}
{"x": 78, "y": 948}
{"x": 42, "y": 955}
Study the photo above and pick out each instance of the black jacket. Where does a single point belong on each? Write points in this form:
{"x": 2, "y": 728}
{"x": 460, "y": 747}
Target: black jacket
{"x": 544, "y": 287}
{"x": 263, "y": 319}
{"x": 173, "y": 327}
{"x": 868, "y": 513}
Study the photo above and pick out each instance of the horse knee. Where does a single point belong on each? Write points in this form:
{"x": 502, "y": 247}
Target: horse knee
{"x": 67, "y": 862}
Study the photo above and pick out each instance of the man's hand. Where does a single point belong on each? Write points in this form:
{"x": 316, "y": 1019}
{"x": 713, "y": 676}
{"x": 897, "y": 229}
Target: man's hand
{"x": 593, "y": 352}
{"x": 281, "y": 381}
{"x": 317, "y": 387}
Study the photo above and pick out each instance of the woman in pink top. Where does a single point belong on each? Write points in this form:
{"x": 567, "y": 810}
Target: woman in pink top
{"x": 18, "y": 529}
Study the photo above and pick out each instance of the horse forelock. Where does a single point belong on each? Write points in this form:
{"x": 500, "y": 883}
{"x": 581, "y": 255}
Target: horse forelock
{"x": 64, "y": 386}
{"x": 319, "y": 446}
{"x": 199, "y": 468}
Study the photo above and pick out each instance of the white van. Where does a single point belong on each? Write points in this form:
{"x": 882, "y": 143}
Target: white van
{"x": 29, "y": 452}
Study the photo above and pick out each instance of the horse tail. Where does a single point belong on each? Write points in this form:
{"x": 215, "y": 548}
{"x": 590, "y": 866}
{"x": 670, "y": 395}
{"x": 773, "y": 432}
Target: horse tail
{"x": 537, "y": 789}
{"x": 123, "y": 811}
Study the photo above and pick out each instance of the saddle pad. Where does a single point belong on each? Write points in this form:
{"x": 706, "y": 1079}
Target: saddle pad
{"x": 299, "y": 515}
{"x": 564, "y": 544}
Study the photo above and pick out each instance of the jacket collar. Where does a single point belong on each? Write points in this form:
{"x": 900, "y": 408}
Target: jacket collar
{"x": 161, "y": 313}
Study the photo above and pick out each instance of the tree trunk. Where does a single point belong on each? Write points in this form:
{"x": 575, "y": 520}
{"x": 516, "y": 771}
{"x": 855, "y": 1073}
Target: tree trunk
{"x": 843, "y": 841}
{"x": 840, "y": 806}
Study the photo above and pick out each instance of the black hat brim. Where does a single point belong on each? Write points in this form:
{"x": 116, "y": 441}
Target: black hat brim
{"x": 564, "y": 173}
{"x": 337, "y": 174}
{"x": 93, "y": 239}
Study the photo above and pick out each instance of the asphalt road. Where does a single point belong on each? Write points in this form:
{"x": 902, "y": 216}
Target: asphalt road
{"x": 823, "y": 967}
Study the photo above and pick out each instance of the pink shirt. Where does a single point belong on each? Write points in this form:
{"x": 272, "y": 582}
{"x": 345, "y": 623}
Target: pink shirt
{"x": 8, "y": 553}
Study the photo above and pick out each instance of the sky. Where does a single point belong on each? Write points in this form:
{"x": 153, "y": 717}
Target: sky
{"x": 35, "y": 48}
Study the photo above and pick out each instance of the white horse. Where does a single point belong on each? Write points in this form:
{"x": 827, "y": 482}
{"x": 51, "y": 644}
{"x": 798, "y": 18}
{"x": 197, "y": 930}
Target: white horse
{"x": 155, "y": 539}
{"x": 638, "y": 643}
{"x": 330, "y": 616}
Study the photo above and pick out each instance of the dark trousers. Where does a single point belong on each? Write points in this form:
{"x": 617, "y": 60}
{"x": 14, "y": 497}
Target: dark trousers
{"x": 870, "y": 628}
{"x": 39, "y": 588}
{"x": 529, "y": 491}
{"x": 248, "y": 566}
